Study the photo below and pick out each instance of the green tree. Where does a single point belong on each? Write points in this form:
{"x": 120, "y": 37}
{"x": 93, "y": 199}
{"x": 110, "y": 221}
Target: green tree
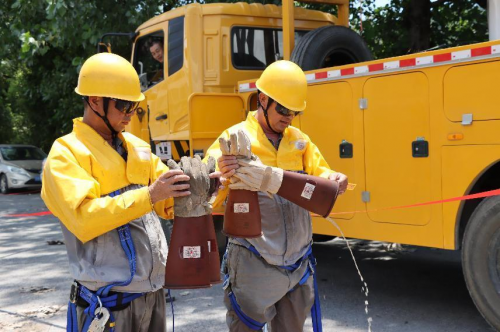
{"x": 45, "y": 43}
{"x": 6, "y": 131}
{"x": 408, "y": 26}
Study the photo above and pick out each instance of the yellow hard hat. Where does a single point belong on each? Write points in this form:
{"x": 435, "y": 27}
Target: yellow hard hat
{"x": 286, "y": 83}
{"x": 109, "y": 75}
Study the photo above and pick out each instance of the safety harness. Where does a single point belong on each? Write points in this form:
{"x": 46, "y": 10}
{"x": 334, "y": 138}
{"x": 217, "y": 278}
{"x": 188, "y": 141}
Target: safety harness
{"x": 311, "y": 270}
{"x": 102, "y": 297}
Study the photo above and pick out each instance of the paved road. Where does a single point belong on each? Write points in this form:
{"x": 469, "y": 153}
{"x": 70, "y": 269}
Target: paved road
{"x": 410, "y": 290}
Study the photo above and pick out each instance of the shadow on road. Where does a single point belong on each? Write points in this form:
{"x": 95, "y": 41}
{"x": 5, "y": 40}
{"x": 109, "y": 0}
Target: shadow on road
{"x": 410, "y": 288}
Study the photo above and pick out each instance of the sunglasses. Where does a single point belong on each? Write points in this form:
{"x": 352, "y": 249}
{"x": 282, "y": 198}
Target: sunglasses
{"x": 125, "y": 106}
{"x": 282, "y": 110}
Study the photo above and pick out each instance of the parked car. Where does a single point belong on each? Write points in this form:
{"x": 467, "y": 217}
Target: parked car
{"x": 20, "y": 167}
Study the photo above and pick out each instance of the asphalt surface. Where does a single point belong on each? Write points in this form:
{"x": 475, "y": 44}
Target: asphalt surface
{"x": 410, "y": 288}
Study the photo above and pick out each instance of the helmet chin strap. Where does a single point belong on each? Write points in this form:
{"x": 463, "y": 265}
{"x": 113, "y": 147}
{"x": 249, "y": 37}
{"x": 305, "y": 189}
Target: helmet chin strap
{"x": 114, "y": 133}
{"x": 269, "y": 102}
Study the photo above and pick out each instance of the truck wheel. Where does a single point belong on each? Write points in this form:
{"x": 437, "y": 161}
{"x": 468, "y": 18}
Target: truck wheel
{"x": 4, "y": 184}
{"x": 481, "y": 259}
{"x": 330, "y": 46}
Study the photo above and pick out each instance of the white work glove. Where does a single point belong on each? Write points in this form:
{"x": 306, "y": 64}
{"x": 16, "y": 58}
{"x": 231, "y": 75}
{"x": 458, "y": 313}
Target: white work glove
{"x": 238, "y": 145}
{"x": 196, "y": 204}
{"x": 252, "y": 174}
{"x": 256, "y": 176}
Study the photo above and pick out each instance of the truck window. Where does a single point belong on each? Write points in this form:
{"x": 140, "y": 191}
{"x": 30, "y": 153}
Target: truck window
{"x": 256, "y": 48}
{"x": 175, "y": 45}
{"x": 149, "y": 59}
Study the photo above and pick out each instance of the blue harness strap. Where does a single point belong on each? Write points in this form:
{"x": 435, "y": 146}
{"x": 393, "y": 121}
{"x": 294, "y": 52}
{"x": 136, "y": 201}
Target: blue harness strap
{"x": 251, "y": 323}
{"x": 316, "y": 308}
{"x": 101, "y": 297}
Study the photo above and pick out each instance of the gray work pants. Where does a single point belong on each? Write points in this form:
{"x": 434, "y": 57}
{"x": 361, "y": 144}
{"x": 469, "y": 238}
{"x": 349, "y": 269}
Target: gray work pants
{"x": 146, "y": 313}
{"x": 262, "y": 292}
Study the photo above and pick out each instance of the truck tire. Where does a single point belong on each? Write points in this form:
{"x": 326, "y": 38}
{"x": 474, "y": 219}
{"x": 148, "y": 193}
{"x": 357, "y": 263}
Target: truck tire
{"x": 330, "y": 46}
{"x": 481, "y": 259}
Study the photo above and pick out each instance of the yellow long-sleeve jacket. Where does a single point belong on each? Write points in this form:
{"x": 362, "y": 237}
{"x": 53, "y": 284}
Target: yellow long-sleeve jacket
{"x": 286, "y": 227}
{"x": 82, "y": 168}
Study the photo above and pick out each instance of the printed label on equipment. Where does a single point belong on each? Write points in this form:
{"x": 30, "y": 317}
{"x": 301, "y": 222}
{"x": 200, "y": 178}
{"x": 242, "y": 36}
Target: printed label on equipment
{"x": 164, "y": 150}
{"x": 191, "y": 252}
{"x": 241, "y": 208}
{"x": 308, "y": 191}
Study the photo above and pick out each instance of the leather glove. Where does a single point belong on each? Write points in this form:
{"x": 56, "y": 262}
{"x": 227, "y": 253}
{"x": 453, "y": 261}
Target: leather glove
{"x": 238, "y": 145}
{"x": 252, "y": 174}
{"x": 256, "y": 176}
{"x": 196, "y": 204}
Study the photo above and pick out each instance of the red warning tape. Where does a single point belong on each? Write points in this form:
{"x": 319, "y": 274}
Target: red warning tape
{"x": 36, "y": 214}
{"x": 461, "y": 198}
{"x": 490, "y": 193}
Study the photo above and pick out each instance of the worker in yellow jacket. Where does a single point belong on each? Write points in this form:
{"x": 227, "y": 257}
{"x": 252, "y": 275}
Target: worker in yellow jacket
{"x": 108, "y": 189}
{"x": 269, "y": 279}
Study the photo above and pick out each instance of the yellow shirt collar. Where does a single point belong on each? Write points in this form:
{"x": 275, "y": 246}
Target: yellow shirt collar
{"x": 254, "y": 123}
{"x": 81, "y": 128}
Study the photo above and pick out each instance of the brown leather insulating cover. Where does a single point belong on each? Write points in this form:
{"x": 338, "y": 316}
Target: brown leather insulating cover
{"x": 242, "y": 215}
{"x": 213, "y": 255}
{"x": 188, "y": 263}
{"x": 312, "y": 193}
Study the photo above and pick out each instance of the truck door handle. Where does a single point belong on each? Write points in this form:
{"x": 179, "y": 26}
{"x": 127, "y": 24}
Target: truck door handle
{"x": 420, "y": 148}
{"x": 161, "y": 117}
{"x": 346, "y": 149}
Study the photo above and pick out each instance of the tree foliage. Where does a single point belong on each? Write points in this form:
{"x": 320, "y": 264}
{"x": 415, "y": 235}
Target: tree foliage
{"x": 400, "y": 27}
{"x": 44, "y": 43}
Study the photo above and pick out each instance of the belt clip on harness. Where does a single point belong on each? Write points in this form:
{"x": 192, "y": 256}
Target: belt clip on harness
{"x": 101, "y": 297}
{"x": 316, "y": 308}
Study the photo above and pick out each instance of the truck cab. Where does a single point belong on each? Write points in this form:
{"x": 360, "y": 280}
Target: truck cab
{"x": 204, "y": 49}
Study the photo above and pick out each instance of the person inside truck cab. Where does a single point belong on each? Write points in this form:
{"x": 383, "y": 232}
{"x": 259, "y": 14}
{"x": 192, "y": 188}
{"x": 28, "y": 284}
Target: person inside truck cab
{"x": 269, "y": 279}
{"x": 156, "y": 48}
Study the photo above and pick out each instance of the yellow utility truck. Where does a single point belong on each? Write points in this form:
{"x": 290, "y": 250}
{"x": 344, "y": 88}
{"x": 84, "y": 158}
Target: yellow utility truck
{"x": 407, "y": 130}
{"x": 205, "y": 50}
{"x": 410, "y": 130}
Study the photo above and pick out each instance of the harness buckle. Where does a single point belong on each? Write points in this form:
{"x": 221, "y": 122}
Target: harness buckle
{"x": 73, "y": 294}
{"x": 225, "y": 284}
{"x": 311, "y": 266}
